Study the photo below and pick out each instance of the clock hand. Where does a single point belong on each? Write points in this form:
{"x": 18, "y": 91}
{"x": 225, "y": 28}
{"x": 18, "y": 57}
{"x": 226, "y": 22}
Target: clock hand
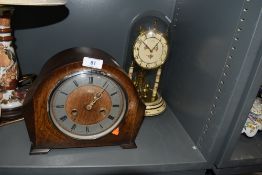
{"x": 97, "y": 96}
{"x": 147, "y": 46}
{"x": 156, "y": 45}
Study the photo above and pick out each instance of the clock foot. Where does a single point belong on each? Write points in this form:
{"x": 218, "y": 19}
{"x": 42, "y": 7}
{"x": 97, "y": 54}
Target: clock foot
{"x": 37, "y": 151}
{"x": 129, "y": 145}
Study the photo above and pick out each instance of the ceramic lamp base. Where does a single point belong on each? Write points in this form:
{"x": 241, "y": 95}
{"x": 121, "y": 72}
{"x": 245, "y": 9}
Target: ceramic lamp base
{"x": 11, "y": 103}
{"x": 156, "y": 107}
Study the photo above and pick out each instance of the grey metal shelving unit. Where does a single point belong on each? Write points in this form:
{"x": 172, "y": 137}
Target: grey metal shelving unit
{"x": 209, "y": 82}
{"x": 243, "y": 154}
{"x": 218, "y": 52}
{"x": 217, "y": 70}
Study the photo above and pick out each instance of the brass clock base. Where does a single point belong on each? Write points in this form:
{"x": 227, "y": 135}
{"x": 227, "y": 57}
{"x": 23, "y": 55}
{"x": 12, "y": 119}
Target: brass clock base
{"x": 155, "y": 108}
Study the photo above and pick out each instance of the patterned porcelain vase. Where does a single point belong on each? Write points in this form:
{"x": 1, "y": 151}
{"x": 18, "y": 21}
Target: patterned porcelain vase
{"x": 10, "y": 98}
{"x": 254, "y": 120}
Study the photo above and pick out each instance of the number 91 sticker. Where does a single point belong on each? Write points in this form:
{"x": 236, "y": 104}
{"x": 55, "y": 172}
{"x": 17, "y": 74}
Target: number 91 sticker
{"x": 92, "y": 62}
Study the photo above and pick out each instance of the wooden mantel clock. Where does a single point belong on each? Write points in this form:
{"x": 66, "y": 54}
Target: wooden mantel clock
{"x": 74, "y": 103}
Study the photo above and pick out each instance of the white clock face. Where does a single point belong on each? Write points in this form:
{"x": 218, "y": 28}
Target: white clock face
{"x": 150, "y": 49}
{"x": 87, "y": 105}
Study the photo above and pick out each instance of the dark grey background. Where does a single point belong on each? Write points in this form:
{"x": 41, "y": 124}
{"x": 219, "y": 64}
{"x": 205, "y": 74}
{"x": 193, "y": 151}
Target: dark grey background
{"x": 102, "y": 24}
{"x": 202, "y": 86}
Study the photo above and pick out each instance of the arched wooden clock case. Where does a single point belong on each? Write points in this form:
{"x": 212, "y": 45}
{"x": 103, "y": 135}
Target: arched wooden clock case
{"x": 43, "y": 132}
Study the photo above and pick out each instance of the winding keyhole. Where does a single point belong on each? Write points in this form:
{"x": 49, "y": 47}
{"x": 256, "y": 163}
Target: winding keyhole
{"x": 103, "y": 111}
{"x": 74, "y": 112}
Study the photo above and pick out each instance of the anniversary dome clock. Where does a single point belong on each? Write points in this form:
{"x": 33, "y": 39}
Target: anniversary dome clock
{"x": 149, "y": 52}
{"x": 82, "y": 98}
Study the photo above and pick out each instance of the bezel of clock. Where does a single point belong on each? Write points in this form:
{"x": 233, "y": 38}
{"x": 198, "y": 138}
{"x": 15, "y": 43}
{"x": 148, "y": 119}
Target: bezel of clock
{"x": 79, "y": 130}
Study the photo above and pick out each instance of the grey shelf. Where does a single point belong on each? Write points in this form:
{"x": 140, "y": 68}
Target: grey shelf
{"x": 163, "y": 146}
{"x": 246, "y": 156}
{"x": 248, "y": 151}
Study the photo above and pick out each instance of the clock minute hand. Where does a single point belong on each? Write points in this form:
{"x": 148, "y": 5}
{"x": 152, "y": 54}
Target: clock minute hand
{"x": 90, "y": 105}
{"x": 97, "y": 96}
{"x": 155, "y": 45}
